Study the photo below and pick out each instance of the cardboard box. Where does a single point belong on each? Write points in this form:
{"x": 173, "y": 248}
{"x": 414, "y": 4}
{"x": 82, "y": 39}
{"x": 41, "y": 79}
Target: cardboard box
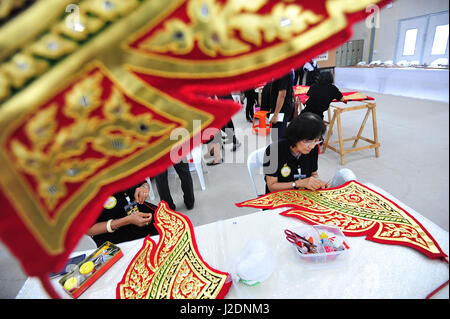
{"x": 327, "y": 59}
{"x": 90, "y": 269}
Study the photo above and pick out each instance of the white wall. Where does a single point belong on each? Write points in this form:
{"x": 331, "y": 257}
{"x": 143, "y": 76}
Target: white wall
{"x": 386, "y": 34}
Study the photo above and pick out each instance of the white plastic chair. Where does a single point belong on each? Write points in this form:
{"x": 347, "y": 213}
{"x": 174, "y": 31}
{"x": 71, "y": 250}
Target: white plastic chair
{"x": 255, "y": 160}
{"x": 236, "y": 98}
{"x": 86, "y": 243}
{"x": 196, "y": 165}
{"x": 196, "y": 155}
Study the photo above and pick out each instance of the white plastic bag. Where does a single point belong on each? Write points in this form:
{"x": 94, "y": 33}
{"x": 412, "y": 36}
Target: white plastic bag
{"x": 254, "y": 264}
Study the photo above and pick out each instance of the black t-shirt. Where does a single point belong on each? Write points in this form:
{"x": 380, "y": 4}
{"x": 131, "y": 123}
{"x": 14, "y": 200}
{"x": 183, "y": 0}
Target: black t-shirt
{"x": 320, "y": 97}
{"x": 281, "y": 163}
{"x": 284, "y": 83}
{"x": 114, "y": 208}
{"x": 265, "y": 97}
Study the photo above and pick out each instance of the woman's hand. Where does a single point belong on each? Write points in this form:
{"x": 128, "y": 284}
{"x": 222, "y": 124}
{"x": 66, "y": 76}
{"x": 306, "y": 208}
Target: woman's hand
{"x": 311, "y": 183}
{"x": 140, "y": 219}
{"x": 140, "y": 194}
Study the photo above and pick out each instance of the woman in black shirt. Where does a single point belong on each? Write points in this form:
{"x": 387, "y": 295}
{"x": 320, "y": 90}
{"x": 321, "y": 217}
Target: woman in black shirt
{"x": 119, "y": 222}
{"x": 291, "y": 162}
{"x": 321, "y": 95}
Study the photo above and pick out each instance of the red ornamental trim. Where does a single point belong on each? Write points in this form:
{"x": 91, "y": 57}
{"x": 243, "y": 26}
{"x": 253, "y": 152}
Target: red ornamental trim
{"x": 173, "y": 268}
{"x": 396, "y": 227}
{"x": 171, "y": 81}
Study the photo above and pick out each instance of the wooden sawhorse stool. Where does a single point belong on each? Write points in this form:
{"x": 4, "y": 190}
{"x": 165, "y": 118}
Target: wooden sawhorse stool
{"x": 338, "y": 109}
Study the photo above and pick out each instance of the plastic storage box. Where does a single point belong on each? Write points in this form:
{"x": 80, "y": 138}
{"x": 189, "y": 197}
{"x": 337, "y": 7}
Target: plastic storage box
{"x": 330, "y": 244}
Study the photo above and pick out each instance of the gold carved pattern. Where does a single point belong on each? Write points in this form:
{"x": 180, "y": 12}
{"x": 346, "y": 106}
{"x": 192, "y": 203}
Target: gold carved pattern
{"x": 238, "y": 27}
{"x": 51, "y": 157}
{"x": 186, "y": 284}
{"x": 21, "y": 68}
{"x": 5, "y": 89}
{"x": 212, "y": 25}
{"x": 25, "y": 91}
{"x": 353, "y": 208}
{"x": 176, "y": 228}
{"x": 7, "y": 6}
{"x": 79, "y": 30}
{"x": 343, "y": 221}
{"x": 139, "y": 276}
{"x": 109, "y": 10}
{"x": 173, "y": 269}
{"x": 61, "y": 39}
{"x": 53, "y": 46}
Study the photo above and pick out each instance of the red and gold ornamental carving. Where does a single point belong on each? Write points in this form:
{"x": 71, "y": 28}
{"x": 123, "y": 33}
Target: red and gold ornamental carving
{"x": 173, "y": 268}
{"x": 357, "y": 210}
{"x": 91, "y": 90}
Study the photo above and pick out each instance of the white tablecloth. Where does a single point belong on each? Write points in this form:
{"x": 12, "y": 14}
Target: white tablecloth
{"x": 370, "y": 270}
{"x": 430, "y": 84}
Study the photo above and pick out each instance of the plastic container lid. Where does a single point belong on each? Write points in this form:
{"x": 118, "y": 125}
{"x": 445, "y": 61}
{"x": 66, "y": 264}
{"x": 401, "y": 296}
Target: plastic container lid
{"x": 71, "y": 283}
{"x": 87, "y": 268}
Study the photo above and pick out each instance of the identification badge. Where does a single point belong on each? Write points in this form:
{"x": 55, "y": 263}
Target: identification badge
{"x": 285, "y": 171}
{"x": 131, "y": 208}
{"x": 110, "y": 202}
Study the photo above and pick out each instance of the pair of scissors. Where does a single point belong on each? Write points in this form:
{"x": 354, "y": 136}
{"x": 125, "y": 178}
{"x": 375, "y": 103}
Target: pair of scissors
{"x": 298, "y": 240}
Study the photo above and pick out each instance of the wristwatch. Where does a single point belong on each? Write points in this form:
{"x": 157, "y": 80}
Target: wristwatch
{"x": 294, "y": 186}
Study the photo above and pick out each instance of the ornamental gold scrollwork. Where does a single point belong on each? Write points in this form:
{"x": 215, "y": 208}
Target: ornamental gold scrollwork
{"x": 357, "y": 210}
{"x": 21, "y": 68}
{"x": 176, "y": 270}
{"x": 186, "y": 284}
{"x": 212, "y": 25}
{"x": 51, "y": 158}
{"x": 395, "y": 231}
{"x": 111, "y": 9}
{"x": 7, "y": 6}
{"x": 60, "y": 40}
{"x": 139, "y": 278}
{"x": 358, "y": 202}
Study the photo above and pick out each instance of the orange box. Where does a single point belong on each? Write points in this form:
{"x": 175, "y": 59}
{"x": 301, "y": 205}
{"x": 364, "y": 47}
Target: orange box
{"x": 76, "y": 281}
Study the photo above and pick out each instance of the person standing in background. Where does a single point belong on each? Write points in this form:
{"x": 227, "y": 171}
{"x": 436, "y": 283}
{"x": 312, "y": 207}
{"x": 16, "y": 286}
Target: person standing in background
{"x": 281, "y": 96}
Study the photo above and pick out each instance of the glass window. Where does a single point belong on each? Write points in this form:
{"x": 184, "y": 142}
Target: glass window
{"x": 410, "y": 42}
{"x": 440, "y": 40}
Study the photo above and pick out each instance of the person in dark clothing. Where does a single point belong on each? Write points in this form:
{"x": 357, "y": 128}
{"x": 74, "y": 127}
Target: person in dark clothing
{"x": 215, "y": 148}
{"x": 312, "y": 72}
{"x": 251, "y": 102}
{"x": 187, "y": 185}
{"x": 228, "y": 129}
{"x": 292, "y": 162}
{"x": 123, "y": 219}
{"x": 321, "y": 95}
{"x": 265, "y": 97}
{"x": 281, "y": 96}
{"x": 298, "y": 79}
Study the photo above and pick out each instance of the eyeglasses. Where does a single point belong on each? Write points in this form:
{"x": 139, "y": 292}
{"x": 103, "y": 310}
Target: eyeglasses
{"x": 312, "y": 143}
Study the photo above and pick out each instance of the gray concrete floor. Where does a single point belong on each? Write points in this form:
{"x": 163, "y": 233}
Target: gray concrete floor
{"x": 413, "y": 166}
